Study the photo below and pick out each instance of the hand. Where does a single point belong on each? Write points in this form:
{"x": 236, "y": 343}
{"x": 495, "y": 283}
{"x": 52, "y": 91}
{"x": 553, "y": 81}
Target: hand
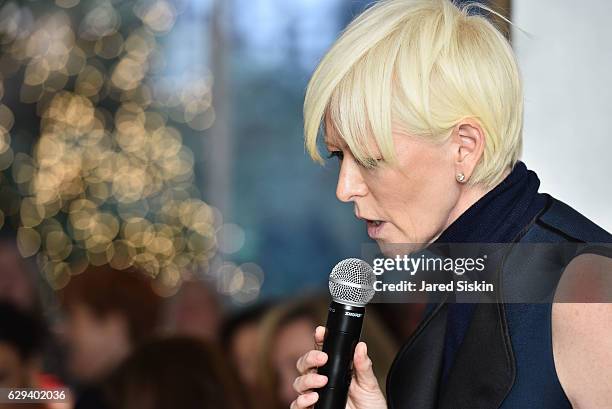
{"x": 364, "y": 392}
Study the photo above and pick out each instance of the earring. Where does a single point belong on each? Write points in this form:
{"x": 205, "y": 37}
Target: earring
{"x": 460, "y": 177}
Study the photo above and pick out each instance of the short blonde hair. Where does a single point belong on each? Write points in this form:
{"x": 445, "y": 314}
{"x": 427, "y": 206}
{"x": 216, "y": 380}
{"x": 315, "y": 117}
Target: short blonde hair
{"x": 422, "y": 66}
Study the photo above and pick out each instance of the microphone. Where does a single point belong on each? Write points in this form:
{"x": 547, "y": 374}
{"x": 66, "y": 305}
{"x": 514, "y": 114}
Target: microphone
{"x": 351, "y": 284}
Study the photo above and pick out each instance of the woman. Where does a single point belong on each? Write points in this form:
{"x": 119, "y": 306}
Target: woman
{"x": 175, "y": 372}
{"x": 108, "y": 313}
{"x": 422, "y": 104}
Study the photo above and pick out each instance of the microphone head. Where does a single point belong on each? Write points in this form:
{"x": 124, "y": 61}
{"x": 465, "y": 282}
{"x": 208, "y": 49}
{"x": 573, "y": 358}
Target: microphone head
{"x": 352, "y": 282}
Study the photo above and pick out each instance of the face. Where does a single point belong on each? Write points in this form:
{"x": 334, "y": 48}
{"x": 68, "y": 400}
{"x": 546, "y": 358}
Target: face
{"x": 405, "y": 203}
{"x": 292, "y": 341}
{"x": 196, "y": 312}
{"x": 96, "y": 345}
{"x": 244, "y": 349}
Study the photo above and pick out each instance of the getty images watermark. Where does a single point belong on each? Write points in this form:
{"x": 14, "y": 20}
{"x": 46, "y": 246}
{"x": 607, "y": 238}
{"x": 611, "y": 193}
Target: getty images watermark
{"x": 491, "y": 272}
{"x": 409, "y": 266}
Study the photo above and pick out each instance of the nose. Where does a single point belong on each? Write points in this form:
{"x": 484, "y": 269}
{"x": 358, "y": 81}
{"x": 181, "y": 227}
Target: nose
{"x": 350, "y": 181}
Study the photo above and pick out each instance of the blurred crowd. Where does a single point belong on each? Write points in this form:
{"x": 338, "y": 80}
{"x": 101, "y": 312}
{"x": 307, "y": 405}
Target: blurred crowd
{"x": 115, "y": 343}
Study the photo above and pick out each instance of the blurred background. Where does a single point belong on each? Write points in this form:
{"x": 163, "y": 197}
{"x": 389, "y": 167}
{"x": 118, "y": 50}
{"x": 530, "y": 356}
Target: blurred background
{"x": 168, "y": 135}
{"x": 165, "y": 241}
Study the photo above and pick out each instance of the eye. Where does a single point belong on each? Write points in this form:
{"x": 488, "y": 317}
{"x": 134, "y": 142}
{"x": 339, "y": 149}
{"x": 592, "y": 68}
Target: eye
{"x": 372, "y": 163}
{"x": 337, "y": 154}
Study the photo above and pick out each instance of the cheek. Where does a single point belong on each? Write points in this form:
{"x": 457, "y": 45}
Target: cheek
{"x": 84, "y": 346}
{"x": 287, "y": 374}
{"x": 417, "y": 203}
{"x": 87, "y": 342}
{"x": 416, "y": 215}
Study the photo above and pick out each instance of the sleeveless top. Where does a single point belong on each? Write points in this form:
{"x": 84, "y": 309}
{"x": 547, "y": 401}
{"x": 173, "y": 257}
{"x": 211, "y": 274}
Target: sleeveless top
{"x": 502, "y": 357}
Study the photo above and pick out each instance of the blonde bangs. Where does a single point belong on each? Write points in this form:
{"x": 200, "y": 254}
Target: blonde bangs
{"x": 351, "y": 86}
{"x": 420, "y": 67}
{"x": 359, "y": 108}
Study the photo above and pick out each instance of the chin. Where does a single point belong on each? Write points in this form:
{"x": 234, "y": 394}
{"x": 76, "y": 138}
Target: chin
{"x": 397, "y": 248}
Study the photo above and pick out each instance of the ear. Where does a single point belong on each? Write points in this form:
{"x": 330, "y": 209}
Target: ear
{"x": 469, "y": 141}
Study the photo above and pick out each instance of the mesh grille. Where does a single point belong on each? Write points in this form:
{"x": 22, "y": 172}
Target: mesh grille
{"x": 352, "y": 282}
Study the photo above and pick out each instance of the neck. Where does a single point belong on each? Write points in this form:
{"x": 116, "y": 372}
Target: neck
{"x": 469, "y": 195}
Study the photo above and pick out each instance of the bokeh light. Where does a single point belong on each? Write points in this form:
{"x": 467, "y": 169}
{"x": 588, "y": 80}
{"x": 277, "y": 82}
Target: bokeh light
{"x": 108, "y": 179}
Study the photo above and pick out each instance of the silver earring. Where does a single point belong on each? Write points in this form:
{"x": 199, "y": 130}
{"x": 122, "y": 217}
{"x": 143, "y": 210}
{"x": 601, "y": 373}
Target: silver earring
{"x": 460, "y": 177}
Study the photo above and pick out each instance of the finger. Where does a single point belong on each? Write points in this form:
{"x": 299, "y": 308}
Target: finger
{"x": 305, "y": 401}
{"x": 363, "y": 371}
{"x": 319, "y": 337}
{"x": 310, "y": 361}
{"x": 309, "y": 381}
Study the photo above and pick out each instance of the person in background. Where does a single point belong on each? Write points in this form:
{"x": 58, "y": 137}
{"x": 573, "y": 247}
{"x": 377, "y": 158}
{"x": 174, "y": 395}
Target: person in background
{"x": 108, "y": 313}
{"x": 400, "y": 319}
{"x": 21, "y": 343}
{"x": 194, "y": 311}
{"x": 20, "y": 287}
{"x": 286, "y": 334}
{"x": 17, "y": 281}
{"x": 241, "y": 341}
{"x": 175, "y": 372}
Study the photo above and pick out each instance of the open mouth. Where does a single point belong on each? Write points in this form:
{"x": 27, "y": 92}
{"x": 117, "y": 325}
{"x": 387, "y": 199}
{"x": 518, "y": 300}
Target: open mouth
{"x": 375, "y": 228}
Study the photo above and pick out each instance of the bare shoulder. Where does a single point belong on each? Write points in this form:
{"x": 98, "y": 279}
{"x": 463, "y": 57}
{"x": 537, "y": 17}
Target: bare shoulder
{"x": 582, "y": 331}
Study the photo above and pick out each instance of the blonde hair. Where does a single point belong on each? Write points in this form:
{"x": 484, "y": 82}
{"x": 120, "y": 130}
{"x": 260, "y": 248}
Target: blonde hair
{"x": 420, "y": 66}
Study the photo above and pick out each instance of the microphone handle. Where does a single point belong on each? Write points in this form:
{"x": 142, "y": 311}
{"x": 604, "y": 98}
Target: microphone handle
{"x": 342, "y": 333}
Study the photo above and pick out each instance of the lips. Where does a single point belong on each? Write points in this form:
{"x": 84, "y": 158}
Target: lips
{"x": 374, "y": 226}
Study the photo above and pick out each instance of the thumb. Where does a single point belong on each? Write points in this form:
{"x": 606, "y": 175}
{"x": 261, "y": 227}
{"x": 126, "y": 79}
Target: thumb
{"x": 362, "y": 368}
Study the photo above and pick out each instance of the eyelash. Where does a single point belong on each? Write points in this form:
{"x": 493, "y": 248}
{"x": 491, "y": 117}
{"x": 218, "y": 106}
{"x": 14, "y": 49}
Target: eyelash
{"x": 374, "y": 162}
{"x": 340, "y": 155}
{"x": 336, "y": 154}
